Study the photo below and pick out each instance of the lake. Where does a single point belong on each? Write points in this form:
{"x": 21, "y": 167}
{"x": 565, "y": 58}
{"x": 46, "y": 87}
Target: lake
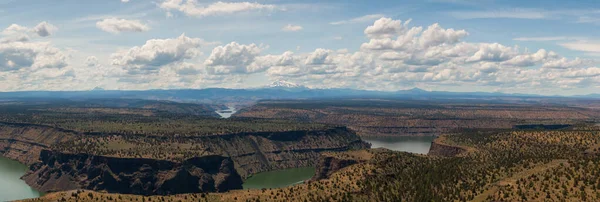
{"x": 419, "y": 145}
{"x": 11, "y": 186}
{"x": 226, "y": 113}
{"x": 279, "y": 178}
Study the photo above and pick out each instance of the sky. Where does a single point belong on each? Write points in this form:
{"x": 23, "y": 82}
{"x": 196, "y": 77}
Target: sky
{"x": 548, "y": 47}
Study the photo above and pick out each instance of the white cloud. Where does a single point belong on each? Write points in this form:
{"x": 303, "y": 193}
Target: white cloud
{"x": 563, "y": 63}
{"x": 511, "y": 13}
{"x": 435, "y": 35}
{"x": 124, "y": 1}
{"x": 156, "y": 53}
{"x": 191, "y": 7}
{"x": 232, "y": 58}
{"x": 44, "y": 29}
{"x": 586, "y": 46}
{"x": 91, "y": 61}
{"x": 115, "y": 26}
{"x": 587, "y": 19}
{"x": 291, "y": 28}
{"x": 586, "y": 72}
{"x": 16, "y": 32}
{"x": 549, "y": 38}
{"x": 386, "y": 28}
{"x": 361, "y": 19}
{"x": 20, "y": 55}
{"x": 527, "y": 60}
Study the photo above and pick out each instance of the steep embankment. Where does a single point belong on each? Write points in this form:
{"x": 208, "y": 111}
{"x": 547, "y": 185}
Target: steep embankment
{"x": 24, "y": 142}
{"x": 440, "y": 148}
{"x": 59, "y": 171}
{"x": 330, "y": 163}
{"x": 232, "y": 157}
{"x": 259, "y": 152}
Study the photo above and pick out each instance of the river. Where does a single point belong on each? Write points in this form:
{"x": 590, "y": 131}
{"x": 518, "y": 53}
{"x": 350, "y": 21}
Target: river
{"x": 279, "y": 178}
{"x": 413, "y": 144}
{"x": 226, "y": 113}
{"x": 11, "y": 186}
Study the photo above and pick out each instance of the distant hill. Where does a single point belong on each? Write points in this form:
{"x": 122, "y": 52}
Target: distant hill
{"x": 277, "y": 90}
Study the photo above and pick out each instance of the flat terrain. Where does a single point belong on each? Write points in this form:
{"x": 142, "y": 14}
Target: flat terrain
{"x": 388, "y": 117}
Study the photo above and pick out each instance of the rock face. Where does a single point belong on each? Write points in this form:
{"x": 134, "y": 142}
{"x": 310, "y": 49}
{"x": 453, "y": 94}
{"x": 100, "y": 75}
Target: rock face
{"x": 227, "y": 160}
{"x": 328, "y": 165}
{"x": 440, "y": 149}
{"x": 24, "y": 142}
{"x": 260, "y": 152}
{"x": 59, "y": 171}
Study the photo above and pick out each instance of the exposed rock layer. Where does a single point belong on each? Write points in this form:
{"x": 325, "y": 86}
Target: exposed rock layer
{"x": 440, "y": 149}
{"x": 59, "y": 171}
{"x": 239, "y": 156}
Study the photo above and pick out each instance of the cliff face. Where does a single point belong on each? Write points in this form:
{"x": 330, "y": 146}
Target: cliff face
{"x": 438, "y": 148}
{"x": 234, "y": 157}
{"x": 59, "y": 171}
{"x": 259, "y": 152}
{"x": 24, "y": 142}
{"x": 328, "y": 165}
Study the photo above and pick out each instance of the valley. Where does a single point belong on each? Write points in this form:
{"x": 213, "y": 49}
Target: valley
{"x": 278, "y": 150}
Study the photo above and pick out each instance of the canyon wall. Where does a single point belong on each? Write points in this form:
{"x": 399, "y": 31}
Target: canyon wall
{"x": 59, "y": 171}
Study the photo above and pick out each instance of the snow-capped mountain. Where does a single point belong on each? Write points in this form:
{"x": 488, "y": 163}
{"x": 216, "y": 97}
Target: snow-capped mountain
{"x": 284, "y": 84}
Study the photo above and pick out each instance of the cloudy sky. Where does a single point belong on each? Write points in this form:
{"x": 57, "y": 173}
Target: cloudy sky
{"x": 543, "y": 47}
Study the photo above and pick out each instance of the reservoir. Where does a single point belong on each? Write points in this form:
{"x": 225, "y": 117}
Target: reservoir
{"x": 226, "y": 113}
{"x": 11, "y": 186}
{"x": 279, "y": 178}
{"x": 413, "y": 144}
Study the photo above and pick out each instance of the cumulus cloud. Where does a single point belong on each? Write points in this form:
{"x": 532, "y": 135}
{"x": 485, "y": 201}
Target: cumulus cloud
{"x": 563, "y": 63}
{"x": 21, "y": 55}
{"x": 158, "y": 52}
{"x": 394, "y": 56}
{"x": 398, "y": 55}
{"x": 16, "y": 32}
{"x": 91, "y": 61}
{"x": 232, "y": 58}
{"x": 385, "y": 28}
{"x": 291, "y": 28}
{"x": 115, "y": 26}
{"x": 192, "y": 8}
{"x": 44, "y": 29}
{"x": 585, "y": 72}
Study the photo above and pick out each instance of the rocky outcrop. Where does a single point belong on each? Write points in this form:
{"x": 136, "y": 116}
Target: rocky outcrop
{"x": 260, "y": 152}
{"x": 438, "y": 148}
{"x": 328, "y": 165}
{"x": 59, "y": 171}
{"x": 236, "y": 156}
{"x": 24, "y": 142}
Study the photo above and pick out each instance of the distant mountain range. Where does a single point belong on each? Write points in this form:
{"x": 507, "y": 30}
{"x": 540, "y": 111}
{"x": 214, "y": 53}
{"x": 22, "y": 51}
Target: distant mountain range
{"x": 276, "y": 90}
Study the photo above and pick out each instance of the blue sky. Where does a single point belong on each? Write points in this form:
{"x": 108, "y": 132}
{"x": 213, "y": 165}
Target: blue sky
{"x": 545, "y": 47}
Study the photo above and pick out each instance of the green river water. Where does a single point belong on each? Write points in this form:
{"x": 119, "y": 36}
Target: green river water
{"x": 11, "y": 186}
